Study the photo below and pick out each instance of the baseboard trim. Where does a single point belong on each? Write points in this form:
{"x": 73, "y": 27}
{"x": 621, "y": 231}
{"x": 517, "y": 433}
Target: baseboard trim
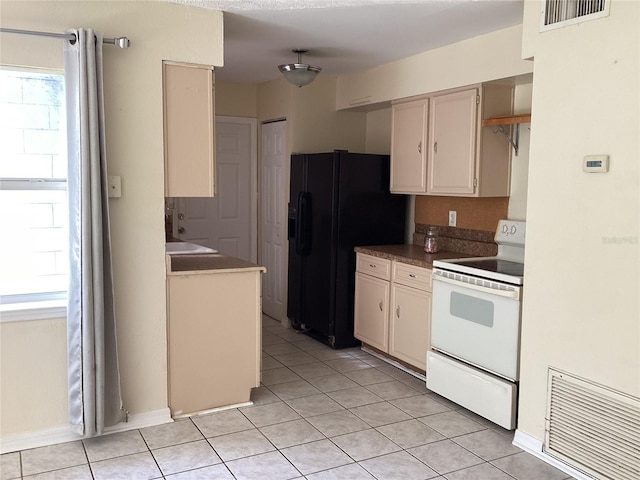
{"x": 63, "y": 434}
{"x": 534, "y": 446}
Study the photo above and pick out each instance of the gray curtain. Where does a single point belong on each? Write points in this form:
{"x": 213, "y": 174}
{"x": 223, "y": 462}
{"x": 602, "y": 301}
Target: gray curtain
{"x": 95, "y": 400}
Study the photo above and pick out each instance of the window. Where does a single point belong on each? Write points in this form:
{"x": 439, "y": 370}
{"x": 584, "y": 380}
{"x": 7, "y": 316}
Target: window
{"x": 33, "y": 203}
{"x": 560, "y": 13}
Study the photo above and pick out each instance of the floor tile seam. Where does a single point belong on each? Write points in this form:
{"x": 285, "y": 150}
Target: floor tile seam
{"x": 150, "y": 452}
{"x": 439, "y": 473}
{"x": 256, "y": 426}
{"x": 453, "y": 436}
{"x": 453, "y": 439}
{"x": 300, "y": 474}
{"x": 204, "y": 436}
{"x": 275, "y": 449}
{"x": 484, "y": 462}
{"x": 403, "y": 448}
{"x": 86, "y": 456}
{"x": 306, "y": 417}
{"x": 53, "y": 470}
{"x": 296, "y": 444}
{"x": 502, "y": 470}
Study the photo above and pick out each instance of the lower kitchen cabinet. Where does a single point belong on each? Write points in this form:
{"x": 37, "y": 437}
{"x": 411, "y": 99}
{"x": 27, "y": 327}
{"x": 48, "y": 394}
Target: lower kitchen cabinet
{"x": 213, "y": 334}
{"x": 393, "y": 308}
{"x": 371, "y": 323}
{"x": 409, "y": 325}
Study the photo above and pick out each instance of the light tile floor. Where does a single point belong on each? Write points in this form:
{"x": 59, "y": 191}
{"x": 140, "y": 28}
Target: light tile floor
{"x": 320, "y": 414}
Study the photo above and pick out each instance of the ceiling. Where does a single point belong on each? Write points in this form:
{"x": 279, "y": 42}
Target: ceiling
{"x": 345, "y": 36}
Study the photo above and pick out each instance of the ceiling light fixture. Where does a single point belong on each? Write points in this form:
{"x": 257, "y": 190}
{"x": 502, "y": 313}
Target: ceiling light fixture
{"x": 299, "y": 74}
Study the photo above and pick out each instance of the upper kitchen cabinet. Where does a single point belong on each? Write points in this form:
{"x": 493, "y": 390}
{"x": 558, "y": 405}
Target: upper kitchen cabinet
{"x": 464, "y": 159}
{"x": 409, "y": 147}
{"x": 189, "y": 130}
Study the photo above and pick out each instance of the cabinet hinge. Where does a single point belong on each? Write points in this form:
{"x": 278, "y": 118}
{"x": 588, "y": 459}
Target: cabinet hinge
{"x": 477, "y": 99}
{"x": 475, "y": 182}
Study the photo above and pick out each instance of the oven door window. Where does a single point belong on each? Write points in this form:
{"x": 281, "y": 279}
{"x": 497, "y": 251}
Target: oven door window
{"x": 474, "y": 309}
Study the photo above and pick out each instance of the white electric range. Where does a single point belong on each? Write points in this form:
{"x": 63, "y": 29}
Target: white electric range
{"x": 475, "y": 328}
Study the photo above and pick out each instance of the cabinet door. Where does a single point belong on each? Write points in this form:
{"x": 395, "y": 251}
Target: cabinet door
{"x": 408, "y": 147}
{"x": 410, "y": 325}
{"x": 371, "y": 311}
{"x": 453, "y": 125}
{"x": 189, "y": 130}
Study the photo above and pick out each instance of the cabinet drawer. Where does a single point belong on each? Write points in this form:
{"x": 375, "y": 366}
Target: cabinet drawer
{"x": 412, "y": 276}
{"x": 375, "y": 266}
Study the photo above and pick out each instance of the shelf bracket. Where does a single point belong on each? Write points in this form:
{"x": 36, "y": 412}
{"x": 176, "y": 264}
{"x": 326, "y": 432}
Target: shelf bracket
{"x": 515, "y": 141}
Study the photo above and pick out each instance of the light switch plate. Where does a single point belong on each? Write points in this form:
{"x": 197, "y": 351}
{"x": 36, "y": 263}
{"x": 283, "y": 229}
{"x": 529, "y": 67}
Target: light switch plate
{"x": 115, "y": 186}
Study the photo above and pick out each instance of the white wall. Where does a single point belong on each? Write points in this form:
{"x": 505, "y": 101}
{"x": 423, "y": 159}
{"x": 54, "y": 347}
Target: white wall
{"x": 493, "y": 56}
{"x": 580, "y": 311}
{"x": 133, "y": 98}
{"x": 520, "y": 162}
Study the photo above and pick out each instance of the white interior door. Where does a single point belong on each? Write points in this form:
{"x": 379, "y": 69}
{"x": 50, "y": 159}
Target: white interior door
{"x": 273, "y": 234}
{"x": 227, "y": 222}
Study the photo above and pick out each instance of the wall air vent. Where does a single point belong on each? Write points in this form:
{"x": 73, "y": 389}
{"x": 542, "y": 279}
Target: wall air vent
{"x": 592, "y": 428}
{"x": 560, "y": 13}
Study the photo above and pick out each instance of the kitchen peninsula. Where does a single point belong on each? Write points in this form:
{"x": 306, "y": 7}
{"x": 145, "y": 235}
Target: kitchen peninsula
{"x": 213, "y": 331}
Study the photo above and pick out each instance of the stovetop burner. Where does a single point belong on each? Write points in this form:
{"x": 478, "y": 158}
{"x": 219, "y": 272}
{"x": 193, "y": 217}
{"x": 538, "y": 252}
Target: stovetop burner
{"x": 495, "y": 265}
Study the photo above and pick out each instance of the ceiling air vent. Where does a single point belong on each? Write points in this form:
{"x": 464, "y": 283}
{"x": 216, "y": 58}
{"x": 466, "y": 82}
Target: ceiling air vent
{"x": 592, "y": 428}
{"x": 560, "y": 13}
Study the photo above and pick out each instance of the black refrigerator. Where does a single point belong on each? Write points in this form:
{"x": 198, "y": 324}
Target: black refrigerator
{"x": 338, "y": 200}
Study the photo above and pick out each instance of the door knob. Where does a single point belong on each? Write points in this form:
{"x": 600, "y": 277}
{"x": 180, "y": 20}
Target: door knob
{"x": 181, "y": 216}
{"x": 181, "y": 230}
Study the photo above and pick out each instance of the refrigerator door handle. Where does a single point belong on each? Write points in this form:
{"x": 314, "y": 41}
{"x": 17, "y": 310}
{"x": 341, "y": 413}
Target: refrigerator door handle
{"x": 303, "y": 226}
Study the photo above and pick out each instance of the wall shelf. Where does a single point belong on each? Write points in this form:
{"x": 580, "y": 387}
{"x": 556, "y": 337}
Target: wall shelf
{"x": 509, "y": 120}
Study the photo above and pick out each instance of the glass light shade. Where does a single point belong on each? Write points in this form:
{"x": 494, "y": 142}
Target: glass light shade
{"x": 299, "y": 74}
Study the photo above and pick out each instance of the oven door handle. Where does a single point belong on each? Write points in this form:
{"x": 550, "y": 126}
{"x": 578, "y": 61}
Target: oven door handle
{"x": 511, "y": 293}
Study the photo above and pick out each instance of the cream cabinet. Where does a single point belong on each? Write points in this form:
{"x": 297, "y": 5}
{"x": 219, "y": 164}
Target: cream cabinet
{"x": 393, "y": 308}
{"x": 189, "y": 130}
{"x": 439, "y": 146}
{"x": 371, "y": 304}
{"x": 214, "y": 331}
{"x": 410, "y": 315}
{"x": 409, "y": 147}
{"x": 465, "y": 159}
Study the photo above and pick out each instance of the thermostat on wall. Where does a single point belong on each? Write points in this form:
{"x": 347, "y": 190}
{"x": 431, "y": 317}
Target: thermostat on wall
{"x": 596, "y": 163}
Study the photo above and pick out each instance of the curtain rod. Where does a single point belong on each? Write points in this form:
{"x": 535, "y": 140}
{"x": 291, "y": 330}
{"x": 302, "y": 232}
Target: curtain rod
{"x": 122, "y": 42}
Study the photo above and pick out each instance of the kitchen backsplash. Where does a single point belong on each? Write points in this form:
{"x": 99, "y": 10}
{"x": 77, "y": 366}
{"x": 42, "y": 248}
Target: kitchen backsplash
{"x": 472, "y": 213}
{"x": 464, "y": 240}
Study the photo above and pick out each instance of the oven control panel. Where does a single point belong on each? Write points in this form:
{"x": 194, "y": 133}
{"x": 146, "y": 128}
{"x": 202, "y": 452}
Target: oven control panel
{"x": 510, "y": 232}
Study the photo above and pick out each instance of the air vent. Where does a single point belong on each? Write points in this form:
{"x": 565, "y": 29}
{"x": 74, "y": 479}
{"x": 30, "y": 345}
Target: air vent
{"x": 593, "y": 428}
{"x": 560, "y": 13}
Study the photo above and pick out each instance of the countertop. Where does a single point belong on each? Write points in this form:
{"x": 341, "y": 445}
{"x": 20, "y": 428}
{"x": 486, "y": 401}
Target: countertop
{"x": 411, "y": 254}
{"x": 208, "y": 263}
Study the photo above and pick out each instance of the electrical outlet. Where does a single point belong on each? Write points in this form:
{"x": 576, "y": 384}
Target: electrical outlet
{"x": 452, "y": 218}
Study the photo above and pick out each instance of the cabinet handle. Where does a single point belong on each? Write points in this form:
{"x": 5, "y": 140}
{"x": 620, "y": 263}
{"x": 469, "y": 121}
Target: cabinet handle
{"x": 398, "y": 311}
{"x": 372, "y": 265}
{"x": 435, "y": 147}
{"x": 412, "y": 275}
{"x": 420, "y": 147}
{"x": 380, "y": 305}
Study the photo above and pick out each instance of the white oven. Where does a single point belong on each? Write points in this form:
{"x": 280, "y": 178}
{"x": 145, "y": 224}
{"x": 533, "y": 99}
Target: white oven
{"x": 475, "y": 328}
{"x": 475, "y": 323}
